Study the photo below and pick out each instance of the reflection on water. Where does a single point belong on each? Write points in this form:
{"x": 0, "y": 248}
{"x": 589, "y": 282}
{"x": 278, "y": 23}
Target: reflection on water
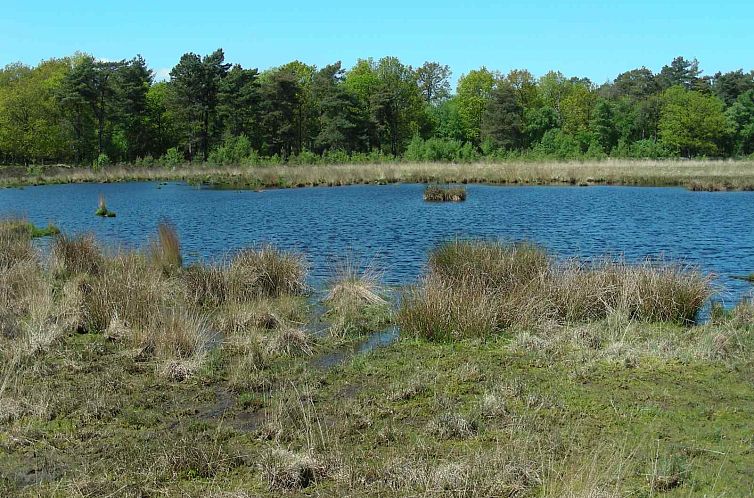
{"x": 392, "y": 227}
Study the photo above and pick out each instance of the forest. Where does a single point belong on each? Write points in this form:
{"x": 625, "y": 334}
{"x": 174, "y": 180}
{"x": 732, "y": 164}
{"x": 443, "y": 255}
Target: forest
{"x": 87, "y": 111}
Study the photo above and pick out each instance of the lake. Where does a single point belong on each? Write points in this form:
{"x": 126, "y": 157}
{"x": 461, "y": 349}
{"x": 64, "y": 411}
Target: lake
{"x": 393, "y": 228}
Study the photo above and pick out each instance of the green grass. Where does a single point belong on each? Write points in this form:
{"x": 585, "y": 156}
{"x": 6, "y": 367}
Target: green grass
{"x": 472, "y": 418}
{"x": 121, "y": 375}
{"x": 26, "y": 228}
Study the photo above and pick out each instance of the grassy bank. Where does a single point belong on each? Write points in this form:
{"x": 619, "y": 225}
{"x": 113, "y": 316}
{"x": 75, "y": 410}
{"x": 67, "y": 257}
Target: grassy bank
{"x": 695, "y": 175}
{"x": 131, "y": 374}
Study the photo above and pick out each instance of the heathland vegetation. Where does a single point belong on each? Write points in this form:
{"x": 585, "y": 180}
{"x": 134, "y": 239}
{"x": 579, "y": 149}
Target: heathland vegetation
{"x": 81, "y": 110}
{"x": 135, "y": 372}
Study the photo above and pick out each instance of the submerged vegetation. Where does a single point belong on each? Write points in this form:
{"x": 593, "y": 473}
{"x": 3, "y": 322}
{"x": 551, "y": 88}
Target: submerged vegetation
{"x": 435, "y": 193}
{"x": 516, "y": 374}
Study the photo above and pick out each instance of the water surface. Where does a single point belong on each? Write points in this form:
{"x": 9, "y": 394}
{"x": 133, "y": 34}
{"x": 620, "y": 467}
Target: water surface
{"x": 391, "y": 225}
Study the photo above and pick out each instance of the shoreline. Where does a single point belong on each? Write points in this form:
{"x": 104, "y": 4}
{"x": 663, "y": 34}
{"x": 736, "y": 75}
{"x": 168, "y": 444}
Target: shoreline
{"x": 693, "y": 175}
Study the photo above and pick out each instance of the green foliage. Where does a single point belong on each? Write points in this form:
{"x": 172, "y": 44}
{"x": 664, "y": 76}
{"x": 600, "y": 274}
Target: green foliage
{"x": 101, "y": 161}
{"x": 440, "y": 150}
{"x": 503, "y": 119}
{"x": 692, "y": 123}
{"x": 474, "y": 91}
{"x": 741, "y": 117}
{"x": 233, "y": 151}
{"x": 556, "y": 143}
{"x": 87, "y": 111}
{"x": 172, "y": 157}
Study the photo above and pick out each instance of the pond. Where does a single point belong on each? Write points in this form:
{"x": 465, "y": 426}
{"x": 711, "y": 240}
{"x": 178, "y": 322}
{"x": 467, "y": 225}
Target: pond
{"x": 391, "y": 227}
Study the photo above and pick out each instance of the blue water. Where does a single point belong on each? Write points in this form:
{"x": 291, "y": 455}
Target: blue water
{"x": 393, "y": 228}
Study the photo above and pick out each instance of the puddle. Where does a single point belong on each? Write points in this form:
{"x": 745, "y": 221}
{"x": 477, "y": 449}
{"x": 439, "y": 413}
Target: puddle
{"x": 374, "y": 341}
{"x": 223, "y": 402}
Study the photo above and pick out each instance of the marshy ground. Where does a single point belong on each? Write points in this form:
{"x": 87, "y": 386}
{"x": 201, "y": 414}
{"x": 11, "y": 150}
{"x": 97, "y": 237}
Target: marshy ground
{"x": 129, "y": 373}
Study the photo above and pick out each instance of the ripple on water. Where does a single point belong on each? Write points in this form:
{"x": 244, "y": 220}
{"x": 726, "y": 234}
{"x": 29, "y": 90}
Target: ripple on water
{"x": 393, "y": 227}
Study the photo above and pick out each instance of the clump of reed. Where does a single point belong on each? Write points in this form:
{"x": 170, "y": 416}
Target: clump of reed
{"x": 102, "y": 208}
{"x": 475, "y": 288}
{"x": 355, "y": 302}
{"x": 18, "y": 227}
{"x": 15, "y": 242}
{"x": 250, "y": 274}
{"x": 148, "y": 301}
{"x": 80, "y": 254}
{"x": 264, "y": 272}
{"x": 436, "y": 193}
{"x": 29, "y": 317}
{"x": 166, "y": 250}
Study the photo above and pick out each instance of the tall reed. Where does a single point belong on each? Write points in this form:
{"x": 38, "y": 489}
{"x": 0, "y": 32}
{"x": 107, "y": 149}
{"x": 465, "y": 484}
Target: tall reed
{"x": 166, "y": 250}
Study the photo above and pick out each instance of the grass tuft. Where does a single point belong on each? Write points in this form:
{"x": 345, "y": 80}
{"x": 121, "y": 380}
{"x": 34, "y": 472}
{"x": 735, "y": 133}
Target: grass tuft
{"x": 74, "y": 255}
{"x": 166, "y": 250}
{"x": 435, "y": 193}
{"x": 265, "y": 272}
{"x": 285, "y": 470}
{"x": 475, "y": 288}
{"x": 354, "y": 301}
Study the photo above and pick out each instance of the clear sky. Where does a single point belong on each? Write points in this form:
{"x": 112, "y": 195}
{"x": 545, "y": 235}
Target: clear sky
{"x": 597, "y": 39}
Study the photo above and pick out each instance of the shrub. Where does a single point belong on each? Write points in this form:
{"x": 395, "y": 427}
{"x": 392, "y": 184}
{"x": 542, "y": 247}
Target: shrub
{"x": 649, "y": 149}
{"x": 440, "y": 150}
{"x": 336, "y": 156}
{"x": 172, "y": 157}
{"x": 305, "y": 157}
{"x": 101, "y": 161}
{"x": 233, "y": 151}
{"x": 556, "y": 143}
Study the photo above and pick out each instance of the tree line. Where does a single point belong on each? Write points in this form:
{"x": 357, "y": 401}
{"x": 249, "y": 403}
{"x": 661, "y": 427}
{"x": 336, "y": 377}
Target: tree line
{"x": 83, "y": 110}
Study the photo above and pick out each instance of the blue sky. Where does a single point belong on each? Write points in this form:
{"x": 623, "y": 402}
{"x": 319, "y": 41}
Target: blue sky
{"x": 597, "y": 39}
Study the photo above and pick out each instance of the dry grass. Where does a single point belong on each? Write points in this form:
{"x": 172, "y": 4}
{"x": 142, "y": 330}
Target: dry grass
{"x": 73, "y": 255}
{"x": 145, "y": 300}
{"x": 703, "y": 174}
{"x": 15, "y": 242}
{"x": 353, "y": 287}
{"x": 284, "y": 470}
{"x": 479, "y": 288}
{"x": 166, "y": 250}
{"x": 355, "y": 302}
{"x": 265, "y": 272}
